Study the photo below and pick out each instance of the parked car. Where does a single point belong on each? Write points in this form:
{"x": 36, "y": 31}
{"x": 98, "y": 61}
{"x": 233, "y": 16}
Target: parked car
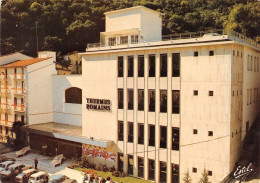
{"x": 4, "y": 165}
{"x": 16, "y": 168}
{"x": 23, "y": 151}
{"x": 70, "y": 181}
{"x": 25, "y": 175}
{"x": 4, "y": 158}
{"x": 58, "y": 178}
{"x": 58, "y": 160}
{"x": 39, "y": 177}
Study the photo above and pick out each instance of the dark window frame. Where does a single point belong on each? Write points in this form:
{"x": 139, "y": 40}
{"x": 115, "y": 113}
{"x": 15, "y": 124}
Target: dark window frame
{"x": 140, "y": 65}
{"x": 163, "y": 101}
{"x": 130, "y": 66}
{"x": 163, "y": 65}
{"x": 152, "y": 65}
{"x": 163, "y": 136}
{"x": 151, "y": 100}
{"x": 130, "y": 99}
{"x": 176, "y": 100}
{"x": 140, "y": 100}
{"x": 140, "y": 133}
{"x": 130, "y": 132}
{"x": 176, "y": 64}
{"x": 120, "y": 98}
{"x": 120, "y": 66}
{"x": 120, "y": 131}
{"x": 151, "y": 137}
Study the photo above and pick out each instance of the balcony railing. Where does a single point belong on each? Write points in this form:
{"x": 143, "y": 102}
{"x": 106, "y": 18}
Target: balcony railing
{"x": 19, "y": 108}
{"x": 189, "y": 35}
{"x": 18, "y": 76}
{"x": 5, "y": 90}
{"x": 18, "y": 91}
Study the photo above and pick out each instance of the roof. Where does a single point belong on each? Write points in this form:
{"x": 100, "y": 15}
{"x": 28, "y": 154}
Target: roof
{"x": 7, "y": 162}
{"x": 38, "y": 174}
{"x": 129, "y": 9}
{"x": 24, "y": 63}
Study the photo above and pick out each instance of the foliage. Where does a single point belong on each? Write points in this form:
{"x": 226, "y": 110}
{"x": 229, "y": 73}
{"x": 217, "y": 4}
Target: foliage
{"x": 187, "y": 178}
{"x": 204, "y": 178}
{"x": 17, "y": 129}
{"x": 68, "y": 25}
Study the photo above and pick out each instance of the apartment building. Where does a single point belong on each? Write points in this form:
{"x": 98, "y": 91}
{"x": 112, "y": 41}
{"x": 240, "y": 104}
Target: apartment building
{"x": 168, "y": 104}
{"x": 25, "y": 82}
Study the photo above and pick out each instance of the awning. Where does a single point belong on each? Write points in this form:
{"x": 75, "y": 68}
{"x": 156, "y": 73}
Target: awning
{"x": 120, "y": 32}
{"x": 66, "y": 132}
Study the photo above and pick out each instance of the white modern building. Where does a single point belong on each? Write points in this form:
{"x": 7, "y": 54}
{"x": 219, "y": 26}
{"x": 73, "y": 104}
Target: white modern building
{"x": 149, "y": 105}
{"x": 168, "y": 106}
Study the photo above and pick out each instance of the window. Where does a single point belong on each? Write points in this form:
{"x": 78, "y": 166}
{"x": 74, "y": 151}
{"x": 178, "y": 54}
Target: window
{"x": 15, "y": 117}
{"x": 248, "y": 63}
{"x": 195, "y": 92}
{"x": 163, "y": 101}
{"x": 163, "y": 171}
{"x": 195, "y": 131}
{"x": 175, "y": 173}
{"x": 251, "y": 63}
{"x": 120, "y": 162}
{"x": 211, "y": 93}
{"x": 196, "y": 53}
{"x": 130, "y": 66}
{"x": 73, "y": 95}
{"x": 140, "y": 100}
{"x": 194, "y": 170}
{"x": 176, "y": 65}
{"x": 209, "y": 173}
{"x": 234, "y": 52}
{"x": 123, "y": 39}
{"x": 111, "y": 41}
{"x": 210, "y": 133}
{"x": 140, "y": 167}
{"x": 151, "y": 100}
{"x": 130, "y": 164}
{"x": 6, "y": 117}
{"x": 238, "y": 53}
{"x": 140, "y": 133}
{"x": 120, "y": 65}
{"x": 211, "y": 53}
{"x": 130, "y": 131}
{"x": 151, "y": 65}
{"x": 134, "y": 39}
{"x": 247, "y": 126}
{"x": 175, "y": 139}
{"x": 120, "y": 99}
{"x": 248, "y": 97}
{"x": 130, "y": 99}
{"x": 15, "y": 102}
{"x": 120, "y": 130}
{"x": 176, "y": 101}
{"x": 140, "y": 66}
{"x": 151, "y": 135}
{"x": 163, "y": 62}
{"x": 22, "y": 118}
{"x": 151, "y": 169}
{"x": 163, "y": 137}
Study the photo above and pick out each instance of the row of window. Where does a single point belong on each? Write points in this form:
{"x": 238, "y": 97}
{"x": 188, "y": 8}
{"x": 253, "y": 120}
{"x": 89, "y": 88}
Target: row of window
{"x": 151, "y": 134}
{"x": 151, "y": 65}
{"x": 196, "y": 93}
{"x": 195, "y": 131}
{"x": 123, "y": 40}
{"x": 151, "y": 100}
{"x": 252, "y": 63}
{"x": 253, "y": 96}
{"x": 15, "y": 117}
{"x": 194, "y": 170}
{"x": 234, "y": 53}
{"x": 15, "y": 101}
{"x": 151, "y": 168}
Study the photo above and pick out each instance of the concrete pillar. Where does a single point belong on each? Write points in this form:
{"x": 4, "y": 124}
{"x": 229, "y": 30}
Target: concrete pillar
{"x": 125, "y": 114}
{"x": 157, "y": 113}
{"x": 135, "y": 116}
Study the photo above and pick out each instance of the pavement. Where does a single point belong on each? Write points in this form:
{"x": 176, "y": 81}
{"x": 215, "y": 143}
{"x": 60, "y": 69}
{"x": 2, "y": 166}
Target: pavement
{"x": 44, "y": 164}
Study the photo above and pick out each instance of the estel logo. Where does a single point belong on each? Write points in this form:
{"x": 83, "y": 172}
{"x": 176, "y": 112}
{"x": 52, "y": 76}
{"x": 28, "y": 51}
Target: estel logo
{"x": 243, "y": 171}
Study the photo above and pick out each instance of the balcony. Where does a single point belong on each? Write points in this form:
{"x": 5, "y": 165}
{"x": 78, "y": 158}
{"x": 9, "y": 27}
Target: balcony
{"x": 3, "y": 77}
{"x": 18, "y": 108}
{"x": 6, "y": 123}
{"x": 18, "y": 91}
{"x": 5, "y": 91}
{"x": 18, "y": 76}
{"x": 5, "y": 108}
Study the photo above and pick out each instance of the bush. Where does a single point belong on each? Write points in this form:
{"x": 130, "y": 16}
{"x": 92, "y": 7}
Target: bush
{"x": 116, "y": 173}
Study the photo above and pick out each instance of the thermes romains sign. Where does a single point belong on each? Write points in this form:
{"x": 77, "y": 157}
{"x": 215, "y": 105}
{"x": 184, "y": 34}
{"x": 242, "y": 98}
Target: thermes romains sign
{"x": 98, "y": 104}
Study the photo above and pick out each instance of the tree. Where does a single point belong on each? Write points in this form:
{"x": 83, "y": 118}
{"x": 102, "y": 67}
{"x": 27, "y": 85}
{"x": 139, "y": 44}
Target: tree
{"x": 204, "y": 178}
{"x": 17, "y": 129}
{"x": 187, "y": 178}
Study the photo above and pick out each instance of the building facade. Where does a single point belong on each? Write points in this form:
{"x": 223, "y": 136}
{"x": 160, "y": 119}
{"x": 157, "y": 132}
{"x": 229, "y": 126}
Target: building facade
{"x": 169, "y": 106}
{"x": 20, "y": 88}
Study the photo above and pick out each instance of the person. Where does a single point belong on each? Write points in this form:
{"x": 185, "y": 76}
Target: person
{"x": 96, "y": 178}
{"x": 35, "y": 163}
{"x": 85, "y": 176}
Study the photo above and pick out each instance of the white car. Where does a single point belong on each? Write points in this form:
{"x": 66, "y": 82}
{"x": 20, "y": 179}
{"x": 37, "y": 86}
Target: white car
{"x": 40, "y": 177}
{"x": 25, "y": 174}
{"x": 13, "y": 167}
{"x": 5, "y": 165}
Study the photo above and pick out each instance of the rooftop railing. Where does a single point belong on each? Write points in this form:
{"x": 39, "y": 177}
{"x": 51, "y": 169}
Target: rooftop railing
{"x": 199, "y": 34}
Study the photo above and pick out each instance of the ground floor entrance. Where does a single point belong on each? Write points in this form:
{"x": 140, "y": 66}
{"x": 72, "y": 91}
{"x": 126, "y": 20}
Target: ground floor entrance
{"x": 54, "y": 146}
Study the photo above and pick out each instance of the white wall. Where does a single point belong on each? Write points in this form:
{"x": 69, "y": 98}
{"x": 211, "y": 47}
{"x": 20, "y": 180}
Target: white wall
{"x": 45, "y": 54}
{"x": 5, "y": 59}
{"x": 66, "y": 113}
{"x": 39, "y": 91}
{"x": 99, "y": 82}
